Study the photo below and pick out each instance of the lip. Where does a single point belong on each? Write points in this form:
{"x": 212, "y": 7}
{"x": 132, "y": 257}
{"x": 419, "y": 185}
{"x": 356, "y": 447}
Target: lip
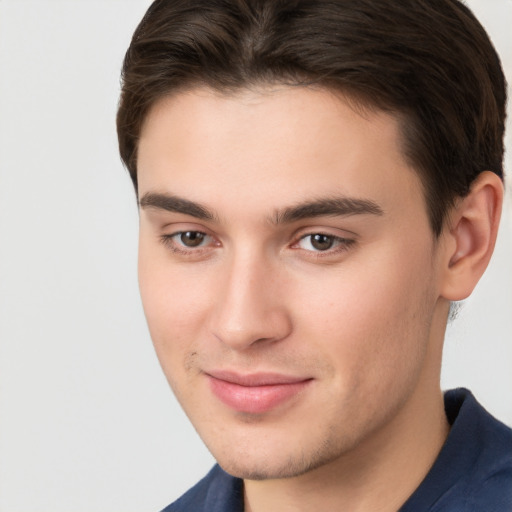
{"x": 255, "y": 393}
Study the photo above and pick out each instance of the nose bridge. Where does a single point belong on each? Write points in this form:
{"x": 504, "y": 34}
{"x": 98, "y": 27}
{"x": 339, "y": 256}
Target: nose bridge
{"x": 249, "y": 308}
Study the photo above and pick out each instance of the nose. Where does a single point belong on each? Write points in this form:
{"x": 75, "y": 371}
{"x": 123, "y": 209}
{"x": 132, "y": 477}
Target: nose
{"x": 251, "y": 307}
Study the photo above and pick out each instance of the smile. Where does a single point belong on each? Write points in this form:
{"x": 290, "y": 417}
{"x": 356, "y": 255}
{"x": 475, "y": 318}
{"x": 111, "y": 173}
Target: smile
{"x": 256, "y": 393}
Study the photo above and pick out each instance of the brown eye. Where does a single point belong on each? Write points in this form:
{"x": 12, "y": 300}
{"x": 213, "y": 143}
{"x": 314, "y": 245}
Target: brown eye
{"x": 192, "y": 238}
{"x": 321, "y": 242}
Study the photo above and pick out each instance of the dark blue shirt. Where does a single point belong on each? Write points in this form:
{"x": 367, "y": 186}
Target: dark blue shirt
{"x": 473, "y": 472}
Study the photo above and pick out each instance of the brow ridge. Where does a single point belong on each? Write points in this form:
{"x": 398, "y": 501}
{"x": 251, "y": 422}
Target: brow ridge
{"x": 329, "y": 207}
{"x": 172, "y": 203}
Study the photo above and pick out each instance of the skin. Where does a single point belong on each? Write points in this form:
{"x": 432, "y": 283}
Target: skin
{"x": 363, "y": 320}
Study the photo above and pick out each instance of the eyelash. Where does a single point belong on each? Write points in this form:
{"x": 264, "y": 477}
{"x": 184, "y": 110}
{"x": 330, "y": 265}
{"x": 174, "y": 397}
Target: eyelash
{"x": 341, "y": 244}
{"x": 169, "y": 241}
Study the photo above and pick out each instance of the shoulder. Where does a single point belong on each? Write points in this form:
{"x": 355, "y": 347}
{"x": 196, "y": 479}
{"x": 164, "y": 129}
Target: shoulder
{"x": 475, "y": 430}
{"x": 488, "y": 484}
{"x": 473, "y": 471}
{"x": 216, "y": 492}
{"x": 492, "y": 493}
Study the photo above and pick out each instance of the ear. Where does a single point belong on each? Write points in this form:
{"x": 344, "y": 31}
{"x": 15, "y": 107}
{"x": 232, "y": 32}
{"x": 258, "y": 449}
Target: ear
{"x": 470, "y": 234}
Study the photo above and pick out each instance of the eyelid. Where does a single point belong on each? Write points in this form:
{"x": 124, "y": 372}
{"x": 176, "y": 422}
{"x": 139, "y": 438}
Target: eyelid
{"x": 335, "y": 238}
{"x": 168, "y": 240}
{"x": 343, "y": 243}
{"x": 179, "y": 234}
{"x": 326, "y": 230}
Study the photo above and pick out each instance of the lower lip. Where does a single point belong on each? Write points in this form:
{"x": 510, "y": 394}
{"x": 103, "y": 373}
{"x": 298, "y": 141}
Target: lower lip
{"x": 255, "y": 399}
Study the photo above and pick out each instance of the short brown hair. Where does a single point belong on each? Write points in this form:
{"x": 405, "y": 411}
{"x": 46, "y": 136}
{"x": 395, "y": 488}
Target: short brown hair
{"x": 430, "y": 62}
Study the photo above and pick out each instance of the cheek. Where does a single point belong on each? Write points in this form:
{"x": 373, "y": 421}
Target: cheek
{"x": 371, "y": 319}
{"x": 174, "y": 322}
{"x": 175, "y": 307}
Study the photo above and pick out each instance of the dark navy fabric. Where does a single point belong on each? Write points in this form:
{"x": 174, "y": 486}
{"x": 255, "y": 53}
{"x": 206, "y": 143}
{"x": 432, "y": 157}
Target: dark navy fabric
{"x": 216, "y": 492}
{"x": 473, "y": 472}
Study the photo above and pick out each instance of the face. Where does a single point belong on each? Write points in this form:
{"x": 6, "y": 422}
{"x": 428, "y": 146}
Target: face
{"x": 288, "y": 274}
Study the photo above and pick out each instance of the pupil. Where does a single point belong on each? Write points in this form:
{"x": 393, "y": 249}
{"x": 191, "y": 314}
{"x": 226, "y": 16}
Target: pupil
{"x": 321, "y": 242}
{"x": 192, "y": 238}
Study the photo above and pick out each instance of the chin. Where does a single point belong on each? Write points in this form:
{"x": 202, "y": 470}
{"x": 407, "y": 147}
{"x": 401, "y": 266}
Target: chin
{"x": 248, "y": 471}
{"x": 275, "y": 465}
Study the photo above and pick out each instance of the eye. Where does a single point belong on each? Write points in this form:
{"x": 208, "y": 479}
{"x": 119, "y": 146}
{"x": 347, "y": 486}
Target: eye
{"x": 320, "y": 242}
{"x": 190, "y": 238}
{"x": 187, "y": 242}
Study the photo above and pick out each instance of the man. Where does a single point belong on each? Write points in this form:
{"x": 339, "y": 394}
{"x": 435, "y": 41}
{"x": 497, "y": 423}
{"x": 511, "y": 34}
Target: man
{"x": 318, "y": 182}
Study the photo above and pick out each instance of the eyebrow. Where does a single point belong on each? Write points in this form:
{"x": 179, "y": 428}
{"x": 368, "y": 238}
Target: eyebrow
{"x": 176, "y": 204}
{"x": 328, "y": 207}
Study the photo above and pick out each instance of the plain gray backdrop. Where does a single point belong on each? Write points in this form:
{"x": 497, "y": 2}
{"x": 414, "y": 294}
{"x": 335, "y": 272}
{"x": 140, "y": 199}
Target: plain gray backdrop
{"x": 87, "y": 423}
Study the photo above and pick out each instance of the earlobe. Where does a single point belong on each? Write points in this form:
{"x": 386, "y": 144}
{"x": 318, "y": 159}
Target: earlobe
{"x": 471, "y": 231}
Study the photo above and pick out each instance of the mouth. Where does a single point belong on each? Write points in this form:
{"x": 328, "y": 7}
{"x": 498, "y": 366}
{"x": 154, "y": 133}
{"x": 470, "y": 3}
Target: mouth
{"x": 255, "y": 393}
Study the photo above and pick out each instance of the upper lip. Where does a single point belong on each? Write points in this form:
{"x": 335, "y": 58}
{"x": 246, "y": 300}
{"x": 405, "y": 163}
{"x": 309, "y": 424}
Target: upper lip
{"x": 255, "y": 379}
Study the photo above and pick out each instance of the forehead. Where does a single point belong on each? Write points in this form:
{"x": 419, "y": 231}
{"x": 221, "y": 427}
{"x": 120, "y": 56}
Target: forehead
{"x": 284, "y": 144}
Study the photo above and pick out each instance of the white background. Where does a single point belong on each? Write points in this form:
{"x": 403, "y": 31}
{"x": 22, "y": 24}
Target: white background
{"x": 87, "y": 423}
